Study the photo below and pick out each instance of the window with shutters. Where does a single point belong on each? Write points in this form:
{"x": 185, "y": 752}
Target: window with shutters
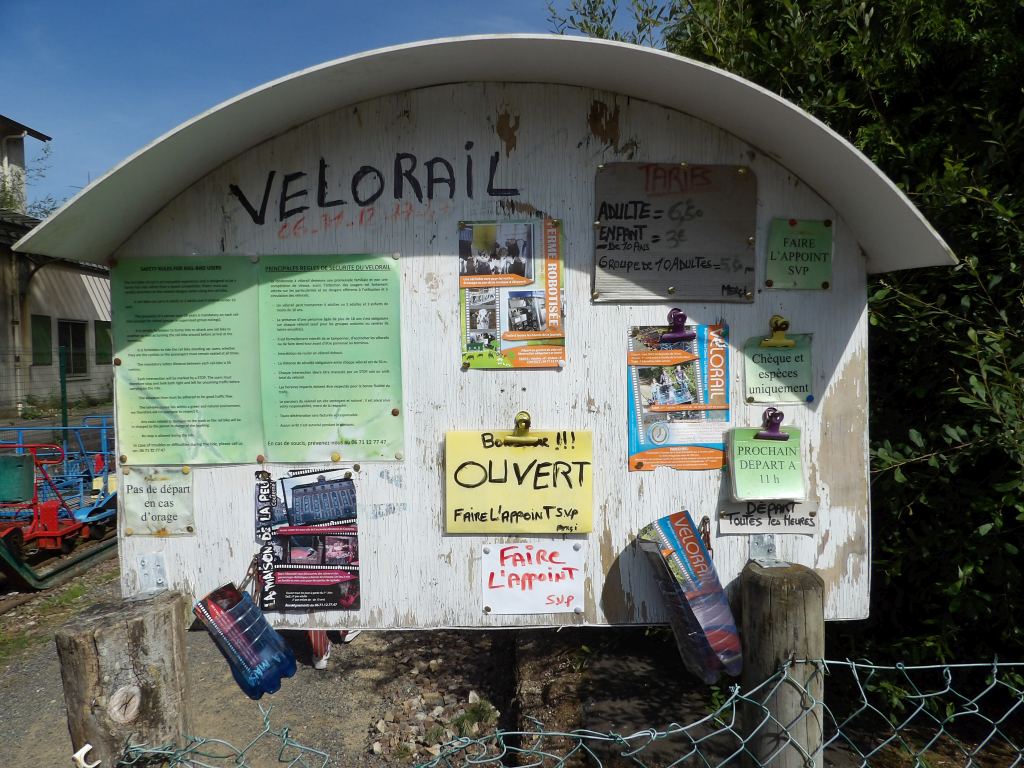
{"x": 103, "y": 342}
{"x": 71, "y": 337}
{"x": 42, "y": 340}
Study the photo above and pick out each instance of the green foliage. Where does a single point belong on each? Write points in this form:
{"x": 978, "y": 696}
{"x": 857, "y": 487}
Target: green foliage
{"x": 64, "y": 599}
{"x": 580, "y": 657}
{"x": 11, "y": 198}
{"x": 434, "y": 735}
{"x": 404, "y": 752}
{"x": 597, "y": 18}
{"x": 13, "y": 643}
{"x": 480, "y": 713}
{"x": 31, "y": 413}
{"x": 930, "y": 90}
{"x": 12, "y": 195}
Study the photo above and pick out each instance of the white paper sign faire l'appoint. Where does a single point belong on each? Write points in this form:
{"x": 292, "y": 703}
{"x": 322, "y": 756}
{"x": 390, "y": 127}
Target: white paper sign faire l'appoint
{"x": 542, "y": 576}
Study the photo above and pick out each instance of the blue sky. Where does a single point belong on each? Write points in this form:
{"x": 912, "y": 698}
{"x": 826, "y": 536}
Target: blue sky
{"x": 106, "y": 77}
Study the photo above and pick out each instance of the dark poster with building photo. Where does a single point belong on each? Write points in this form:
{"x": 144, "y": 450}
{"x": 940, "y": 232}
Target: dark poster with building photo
{"x": 310, "y": 560}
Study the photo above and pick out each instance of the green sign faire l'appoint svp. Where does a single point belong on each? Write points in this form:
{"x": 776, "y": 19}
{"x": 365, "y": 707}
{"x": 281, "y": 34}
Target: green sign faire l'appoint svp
{"x": 799, "y": 255}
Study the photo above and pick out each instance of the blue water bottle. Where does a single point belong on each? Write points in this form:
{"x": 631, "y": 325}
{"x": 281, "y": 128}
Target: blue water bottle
{"x": 258, "y": 655}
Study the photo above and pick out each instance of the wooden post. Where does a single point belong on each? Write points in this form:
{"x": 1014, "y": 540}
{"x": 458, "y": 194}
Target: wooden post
{"x": 125, "y": 678}
{"x": 783, "y": 619}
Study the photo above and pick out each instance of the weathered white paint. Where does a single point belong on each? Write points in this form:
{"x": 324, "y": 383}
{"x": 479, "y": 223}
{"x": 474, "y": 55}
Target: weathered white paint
{"x": 413, "y": 574}
{"x": 892, "y": 232}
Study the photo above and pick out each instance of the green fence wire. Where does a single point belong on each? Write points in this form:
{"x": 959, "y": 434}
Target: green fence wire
{"x": 944, "y": 716}
{"x": 210, "y": 753}
{"x": 966, "y": 715}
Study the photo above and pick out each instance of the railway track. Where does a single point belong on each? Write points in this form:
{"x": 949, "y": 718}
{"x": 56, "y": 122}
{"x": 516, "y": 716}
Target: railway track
{"x": 58, "y": 494}
{"x": 29, "y": 578}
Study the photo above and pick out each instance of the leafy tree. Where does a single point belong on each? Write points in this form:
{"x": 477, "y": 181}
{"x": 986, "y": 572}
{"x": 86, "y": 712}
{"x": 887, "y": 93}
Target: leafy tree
{"x": 12, "y": 195}
{"x": 11, "y": 198}
{"x": 931, "y": 91}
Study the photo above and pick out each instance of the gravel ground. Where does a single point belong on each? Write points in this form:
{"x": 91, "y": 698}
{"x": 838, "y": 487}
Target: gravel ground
{"x": 394, "y": 698}
{"x": 386, "y": 698}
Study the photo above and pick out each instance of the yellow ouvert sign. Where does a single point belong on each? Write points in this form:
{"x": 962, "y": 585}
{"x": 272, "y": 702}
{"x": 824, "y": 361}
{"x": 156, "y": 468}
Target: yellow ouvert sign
{"x": 500, "y": 482}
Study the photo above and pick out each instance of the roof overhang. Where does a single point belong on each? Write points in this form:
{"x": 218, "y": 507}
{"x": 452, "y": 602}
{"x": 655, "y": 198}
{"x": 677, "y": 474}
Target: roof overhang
{"x": 892, "y": 232}
{"x": 14, "y": 226}
{"x": 13, "y": 127}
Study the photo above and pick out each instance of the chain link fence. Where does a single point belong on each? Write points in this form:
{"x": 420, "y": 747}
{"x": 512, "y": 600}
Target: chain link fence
{"x": 38, "y": 388}
{"x": 209, "y": 753}
{"x": 946, "y": 716}
{"x": 966, "y": 715}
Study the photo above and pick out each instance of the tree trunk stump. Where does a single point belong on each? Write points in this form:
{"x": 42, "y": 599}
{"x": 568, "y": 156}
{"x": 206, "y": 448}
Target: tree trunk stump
{"x": 125, "y": 675}
{"x": 783, "y": 619}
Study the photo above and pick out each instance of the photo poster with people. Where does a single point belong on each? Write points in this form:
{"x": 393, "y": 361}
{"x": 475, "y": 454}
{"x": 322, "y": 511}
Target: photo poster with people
{"x": 678, "y": 397}
{"x": 511, "y": 286}
{"x": 307, "y": 531}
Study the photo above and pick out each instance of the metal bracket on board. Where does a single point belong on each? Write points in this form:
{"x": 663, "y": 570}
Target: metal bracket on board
{"x": 152, "y": 572}
{"x": 762, "y": 550}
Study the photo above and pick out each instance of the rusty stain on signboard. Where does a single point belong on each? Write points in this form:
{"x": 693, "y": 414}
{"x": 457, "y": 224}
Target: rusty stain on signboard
{"x": 604, "y": 126}
{"x": 604, "y": 123}
{"x": 507, "y": 127}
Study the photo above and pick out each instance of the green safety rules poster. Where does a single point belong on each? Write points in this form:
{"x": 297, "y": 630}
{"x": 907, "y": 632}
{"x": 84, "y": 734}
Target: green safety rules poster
{"x": 284, "y": 358}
